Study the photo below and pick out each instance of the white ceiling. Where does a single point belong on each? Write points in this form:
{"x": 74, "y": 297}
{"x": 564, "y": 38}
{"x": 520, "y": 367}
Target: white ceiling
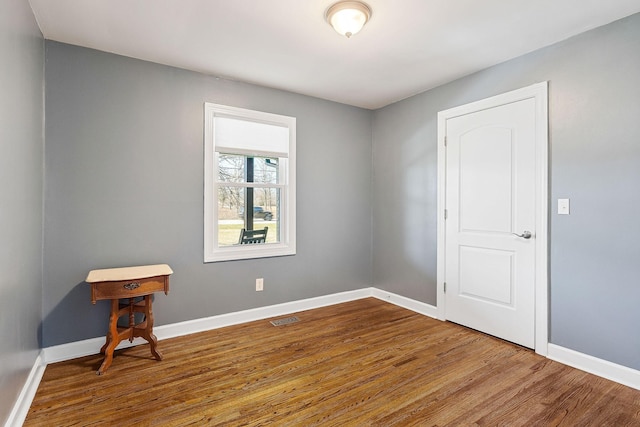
{"x": 407, "y": 47}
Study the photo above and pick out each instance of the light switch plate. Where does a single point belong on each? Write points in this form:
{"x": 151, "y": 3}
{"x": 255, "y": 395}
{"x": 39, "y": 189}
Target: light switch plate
{"x": 563, "y": 206}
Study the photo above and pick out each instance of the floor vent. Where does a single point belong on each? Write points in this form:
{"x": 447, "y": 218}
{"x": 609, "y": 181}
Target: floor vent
{"x": 285, "y": 321}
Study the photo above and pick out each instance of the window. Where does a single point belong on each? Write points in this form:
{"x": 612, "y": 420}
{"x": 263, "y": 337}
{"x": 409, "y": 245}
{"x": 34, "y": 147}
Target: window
{"x": 249, "y": 184}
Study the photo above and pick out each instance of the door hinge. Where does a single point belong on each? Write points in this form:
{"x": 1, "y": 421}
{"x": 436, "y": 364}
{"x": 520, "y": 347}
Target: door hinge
{"x": 445, "y": 141}
{"x": 446, "y": 214}
{"x": 445, "y": 287}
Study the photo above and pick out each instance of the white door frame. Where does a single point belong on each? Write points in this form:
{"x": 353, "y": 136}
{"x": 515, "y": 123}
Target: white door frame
{"x": 538, "y": 92}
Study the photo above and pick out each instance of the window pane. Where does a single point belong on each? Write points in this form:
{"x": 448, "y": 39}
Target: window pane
{"x": 234, "y": 168}
{"x": 231, "y": 168}
{"x": 265, "y": 170}
{"x": 266, "y": 205}
{"x": 232, "y": 218}
{"x": 230, "y": 215}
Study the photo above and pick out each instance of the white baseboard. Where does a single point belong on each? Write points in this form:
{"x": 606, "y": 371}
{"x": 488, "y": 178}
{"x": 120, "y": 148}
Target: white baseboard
{"x": 404, "y": 302}
{"x": 602, "y": 368}
{"x": 23, "y": 403}
{"x": 91, "y": 346}
{"x": 229, "y": 319}
{"x": 62, "y": 352}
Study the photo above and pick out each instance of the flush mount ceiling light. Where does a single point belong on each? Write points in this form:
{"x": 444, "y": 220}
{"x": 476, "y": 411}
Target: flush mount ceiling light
{"x": 348, "y": 17}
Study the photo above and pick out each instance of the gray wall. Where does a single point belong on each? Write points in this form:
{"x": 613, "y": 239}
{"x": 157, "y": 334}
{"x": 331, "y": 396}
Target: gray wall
{"x": 124, "y": 186}
{"x": 21, "y": 144}
{"x": 594, "y": 125}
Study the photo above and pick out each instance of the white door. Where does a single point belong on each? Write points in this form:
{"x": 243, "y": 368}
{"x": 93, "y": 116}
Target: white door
{"x": 490, "y": 226}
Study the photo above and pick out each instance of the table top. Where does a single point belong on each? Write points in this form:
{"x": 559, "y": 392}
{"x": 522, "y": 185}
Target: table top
{"x": 128, "y": 273}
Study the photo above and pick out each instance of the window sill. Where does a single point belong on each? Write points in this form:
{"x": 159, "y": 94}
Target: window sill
{"x": 233, "y": 253}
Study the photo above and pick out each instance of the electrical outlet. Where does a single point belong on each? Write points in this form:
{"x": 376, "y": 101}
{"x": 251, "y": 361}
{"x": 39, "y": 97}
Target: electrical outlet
{"x": 259, "y": 284}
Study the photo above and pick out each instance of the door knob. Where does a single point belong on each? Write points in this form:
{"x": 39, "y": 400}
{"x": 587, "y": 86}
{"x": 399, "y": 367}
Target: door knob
{"x": 525, "y": 234}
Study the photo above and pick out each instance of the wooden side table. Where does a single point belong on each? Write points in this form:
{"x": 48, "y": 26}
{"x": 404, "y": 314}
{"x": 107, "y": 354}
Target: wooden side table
{"x": 128, "y": 283}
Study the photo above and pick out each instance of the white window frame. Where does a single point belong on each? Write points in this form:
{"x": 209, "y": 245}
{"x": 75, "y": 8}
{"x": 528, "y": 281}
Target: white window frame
{"x": 287, "y": 213}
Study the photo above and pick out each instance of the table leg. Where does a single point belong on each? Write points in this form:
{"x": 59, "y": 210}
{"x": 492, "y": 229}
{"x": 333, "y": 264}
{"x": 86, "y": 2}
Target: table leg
{"x": 148, "y": 331}
{"x": 106, "y": 343}
{"x": 112, "y": 338}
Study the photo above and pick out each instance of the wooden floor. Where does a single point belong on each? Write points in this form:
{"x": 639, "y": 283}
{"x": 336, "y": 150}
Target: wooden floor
{"x": 361, "y": 363}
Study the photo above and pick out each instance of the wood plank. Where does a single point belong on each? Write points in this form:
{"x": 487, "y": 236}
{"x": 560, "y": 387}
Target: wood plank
{"x": 364, "y": 362}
